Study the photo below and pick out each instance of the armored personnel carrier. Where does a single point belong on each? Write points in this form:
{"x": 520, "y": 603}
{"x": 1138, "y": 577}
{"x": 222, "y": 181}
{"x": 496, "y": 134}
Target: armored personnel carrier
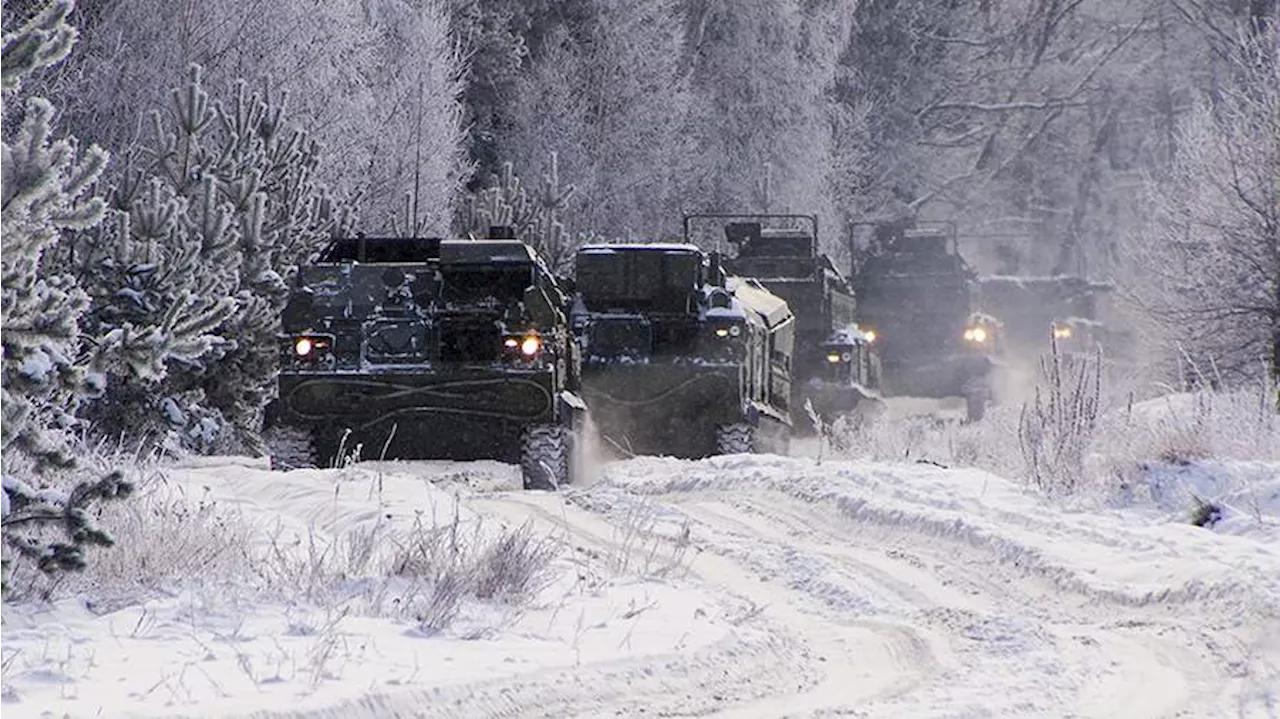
{"x": 920, "y": 299}
{"x": 836, "y": 371}
{"x": 677, "y": 359}
{"x": 416, "y": 348}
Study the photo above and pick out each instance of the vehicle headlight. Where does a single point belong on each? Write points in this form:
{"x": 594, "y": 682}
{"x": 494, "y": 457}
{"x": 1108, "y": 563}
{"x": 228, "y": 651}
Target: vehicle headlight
{"x": 1061, "y": 332}
{"x": 730, "y": 331}
{"x": 871, "y": 335}
{"x": 531, "y": 345}
{"x": 833, "y": 357}
{"x": 976, "y": 334}
{"x": 722, "y": 332}
{"x": 310, "y": 347}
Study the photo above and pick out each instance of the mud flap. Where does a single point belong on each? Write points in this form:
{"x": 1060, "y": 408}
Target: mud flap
{"x": 771, "y": 429}
{"x": 977, "y": 395}
{"x": 574, "y": 413}
{"x": 832, "y": 402}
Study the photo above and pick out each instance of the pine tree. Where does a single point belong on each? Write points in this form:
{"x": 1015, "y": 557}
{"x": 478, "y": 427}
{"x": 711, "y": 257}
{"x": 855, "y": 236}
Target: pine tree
{"x": 47, "y": 189}
{"x": 158, "y": 273}
{"x": 191, "y": 275}
{"x": 534, "y": 215}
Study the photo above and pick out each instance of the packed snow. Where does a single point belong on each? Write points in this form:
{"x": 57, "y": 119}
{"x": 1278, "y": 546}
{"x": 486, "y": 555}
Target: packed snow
{"x": 742, "y": 586}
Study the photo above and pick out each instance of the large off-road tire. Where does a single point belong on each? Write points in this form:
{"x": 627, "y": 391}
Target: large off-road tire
{"x": 975, "y": 406}
{"x": 546, "y": 456}
{"x": 735, "y": 439}
{"x": 291, "y": 448}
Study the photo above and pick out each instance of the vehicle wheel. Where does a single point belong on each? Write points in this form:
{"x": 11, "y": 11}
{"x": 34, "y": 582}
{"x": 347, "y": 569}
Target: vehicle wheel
{"x": 735, "y": 439}
{"x": 975, "y": 406}
{"x": 545, "y": 456}
{"x": 290, "y": 448}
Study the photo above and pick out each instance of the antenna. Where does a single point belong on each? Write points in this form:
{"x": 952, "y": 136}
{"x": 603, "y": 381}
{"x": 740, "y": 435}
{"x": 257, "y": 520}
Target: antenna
{"x": 417, "y": 156}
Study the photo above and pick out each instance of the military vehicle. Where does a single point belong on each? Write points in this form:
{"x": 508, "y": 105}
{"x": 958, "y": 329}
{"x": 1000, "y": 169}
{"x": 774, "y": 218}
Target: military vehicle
{"x": 1033, "y": 309}
{"x": 920, "y": 299}
{"x": 836, "y": 371}
{"x": 678, "y": 359}
{"x": 422, "y": 348}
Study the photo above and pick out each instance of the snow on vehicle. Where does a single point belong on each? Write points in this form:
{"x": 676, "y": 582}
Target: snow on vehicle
{"x": 417, "y": 348}
{"x": 836, "y": 371}
{"x": 920, "y": 299}
{"x": 678, "y": 359}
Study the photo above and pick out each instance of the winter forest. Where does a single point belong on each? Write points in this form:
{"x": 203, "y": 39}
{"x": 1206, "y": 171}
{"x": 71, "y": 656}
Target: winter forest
{"x": 168, "y": 164}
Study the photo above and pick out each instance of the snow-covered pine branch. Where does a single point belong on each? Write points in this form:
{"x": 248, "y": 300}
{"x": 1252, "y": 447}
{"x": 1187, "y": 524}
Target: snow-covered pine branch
{"x": 189, "y": 278}
{"x": 47, "y": 191}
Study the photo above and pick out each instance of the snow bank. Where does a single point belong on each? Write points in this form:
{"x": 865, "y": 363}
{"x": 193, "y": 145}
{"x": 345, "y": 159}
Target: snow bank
{"x": 1239, "y": 498}
{"x": 253, "y": 645}
{"x": 214, "y": 655}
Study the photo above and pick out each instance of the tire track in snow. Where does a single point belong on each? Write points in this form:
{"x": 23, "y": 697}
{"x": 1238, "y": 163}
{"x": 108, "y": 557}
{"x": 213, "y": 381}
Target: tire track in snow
{"x": 1044, "y": 659}
{"x": 854, "y": 659}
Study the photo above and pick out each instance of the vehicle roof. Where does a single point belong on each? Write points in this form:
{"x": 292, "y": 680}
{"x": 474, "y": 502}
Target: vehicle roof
{"x": 605, "y": 248}
{"x": 485, "y": 251}
{"x": 417, "y": 250}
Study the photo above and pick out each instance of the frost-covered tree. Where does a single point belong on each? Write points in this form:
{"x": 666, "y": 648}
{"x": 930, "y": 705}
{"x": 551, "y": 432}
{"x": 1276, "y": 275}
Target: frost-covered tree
{"x": 1206, "y": 270}
{"x": 416, "y": 164}
{"x": 210, "y": 220}
{"x": 158, "y": 274}
{"x": 533, "y": 213}
{"x": 47, "y": 190}
{"x": 607, "y": 95}
{"x": 598, "y": 86}
{"x": 264, "y": 170}
{"x": 376, "y": 82}
{"x": 763, "y": 116}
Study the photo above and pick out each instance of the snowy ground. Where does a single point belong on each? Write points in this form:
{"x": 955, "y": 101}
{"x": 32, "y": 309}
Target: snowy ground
{"x": 741, "y": 586}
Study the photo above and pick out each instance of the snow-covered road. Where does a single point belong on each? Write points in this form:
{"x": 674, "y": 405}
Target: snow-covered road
{"x": 742, "y": 587}
{"x": 906, "y": 611}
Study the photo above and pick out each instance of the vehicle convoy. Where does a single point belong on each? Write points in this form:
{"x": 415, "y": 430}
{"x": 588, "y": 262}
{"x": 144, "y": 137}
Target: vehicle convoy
{"x": 421, "y": 348}
{"x": 835, "y": 370}
{"x": 678, "y": 359}
{"x": 920, "y": 299}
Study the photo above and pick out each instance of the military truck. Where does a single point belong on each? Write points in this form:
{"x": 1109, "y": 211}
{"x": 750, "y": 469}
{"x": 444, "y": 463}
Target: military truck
{"x": 1033, "y": 309}
{"x": 836, "y": 371}
{"x": 920, "y": 299}
{"x": 678, "y": 359}
{"x": 423, "y": 348}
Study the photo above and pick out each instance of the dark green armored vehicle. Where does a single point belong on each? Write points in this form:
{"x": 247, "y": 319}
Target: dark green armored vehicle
{"x": 920, "y": 299}
{"x": 414, "y": 348}
{"x": 677, "y": 359}
{"x": 836, "y": 371}
{"x": 1064, "y": 307}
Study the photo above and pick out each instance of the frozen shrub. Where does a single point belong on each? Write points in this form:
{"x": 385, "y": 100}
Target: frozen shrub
{"x": 1057, "y": 425}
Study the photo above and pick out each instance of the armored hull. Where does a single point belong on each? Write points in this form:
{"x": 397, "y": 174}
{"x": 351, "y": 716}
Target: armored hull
{"x": 919, "y": 297}
{"x": 677, "y": 359}
{"x": 421, "y": 349}
{"x": 420, "y": 413}
{"x": 674, "y": 410}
